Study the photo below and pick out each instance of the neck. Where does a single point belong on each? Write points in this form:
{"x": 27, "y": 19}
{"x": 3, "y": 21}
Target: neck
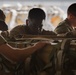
{"x": 34, "y": 29}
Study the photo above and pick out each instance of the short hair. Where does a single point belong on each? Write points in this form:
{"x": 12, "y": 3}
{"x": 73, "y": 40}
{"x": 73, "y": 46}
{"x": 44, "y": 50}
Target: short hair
{"x": 72, "y": 9}
{"x": 36, "y": 13}
{"x": 3, "y": 26}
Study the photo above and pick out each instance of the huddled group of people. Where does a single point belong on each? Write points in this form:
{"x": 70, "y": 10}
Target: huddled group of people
{"x": 33, "y": 27}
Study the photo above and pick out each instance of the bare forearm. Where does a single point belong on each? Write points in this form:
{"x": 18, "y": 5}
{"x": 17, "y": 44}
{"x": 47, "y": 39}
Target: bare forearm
{"x": 19, "y": 54}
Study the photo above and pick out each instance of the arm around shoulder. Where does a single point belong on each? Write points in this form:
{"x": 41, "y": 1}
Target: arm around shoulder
{"x": 19, "y": 54}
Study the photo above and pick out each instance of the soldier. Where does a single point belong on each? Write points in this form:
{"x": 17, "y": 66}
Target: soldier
{"x": 69, "y": 23}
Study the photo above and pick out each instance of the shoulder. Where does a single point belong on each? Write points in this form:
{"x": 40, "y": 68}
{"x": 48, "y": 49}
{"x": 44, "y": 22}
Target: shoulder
{"x": 17, "y": 30}
{"x": 18, "y": 27}
{"x": 62, "y": 24}
{"x": 61, "y": 28}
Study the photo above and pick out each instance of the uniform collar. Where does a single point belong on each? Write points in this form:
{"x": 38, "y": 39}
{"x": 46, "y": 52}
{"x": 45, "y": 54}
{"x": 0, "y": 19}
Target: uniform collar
{"x": 68, "y": 23}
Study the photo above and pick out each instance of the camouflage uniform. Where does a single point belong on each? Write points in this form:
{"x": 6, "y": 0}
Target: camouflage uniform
{"x": 18, "y": 30}
{"x": 63, "y": 27}
{"x": 24, "y": 29}
{"x": 36, "y": 63}
{"x": 2, "y": 40}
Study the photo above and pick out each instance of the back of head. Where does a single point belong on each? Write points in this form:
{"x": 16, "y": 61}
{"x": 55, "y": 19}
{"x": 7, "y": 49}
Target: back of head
{"x": 2, "y": 15}
{"x": 36, "y": 13}
{"x": 72, "y": 9}
{"x": 3, "y": 26}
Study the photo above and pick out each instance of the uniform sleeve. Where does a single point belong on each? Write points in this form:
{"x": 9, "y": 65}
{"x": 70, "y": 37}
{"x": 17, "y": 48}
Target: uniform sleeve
{"x": 2, "y": 40}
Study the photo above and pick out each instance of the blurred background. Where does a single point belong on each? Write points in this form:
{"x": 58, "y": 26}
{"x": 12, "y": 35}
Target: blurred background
{"x": 16, "y": 11}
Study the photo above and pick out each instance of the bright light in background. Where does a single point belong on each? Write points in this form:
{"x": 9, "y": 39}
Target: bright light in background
{"x": 18, "y": 14}
{"x": 55, "y": 11}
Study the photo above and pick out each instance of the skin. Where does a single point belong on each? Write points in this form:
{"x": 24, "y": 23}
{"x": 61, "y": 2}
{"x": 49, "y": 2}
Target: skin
{"x": 35, "y": 25}
{"x": 16, "y": 54}
{"x": 72, "y": 19}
